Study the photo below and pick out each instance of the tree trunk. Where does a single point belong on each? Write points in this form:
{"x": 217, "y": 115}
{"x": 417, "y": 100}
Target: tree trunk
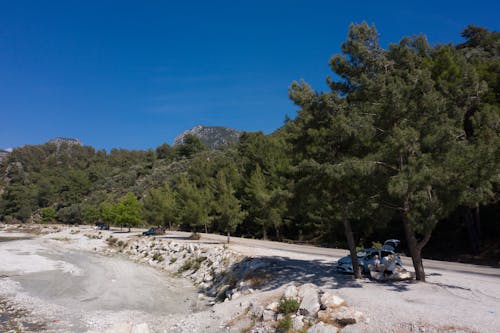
{"x": 228, "y": 237}
{"x": 471, "y": 219}
{"x": 264, "y": 232}
{"x": 352, "y": 246}
{"x": 206, "y": 228}
{"x": 415, "y": 249}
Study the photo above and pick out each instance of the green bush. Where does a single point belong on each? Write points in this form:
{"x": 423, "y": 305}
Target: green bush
{"x": 285, "y": 324}
{"x": 158, "y": 257}
{"x": 48, "y": 214}
{"x": 173, "y": 260}
{"x": 193, "y": 264}
{"x": 288, "y": 306}
{"x": 111, "y": 240}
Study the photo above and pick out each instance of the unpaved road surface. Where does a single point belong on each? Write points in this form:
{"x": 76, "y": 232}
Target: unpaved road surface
{"x": 83, "y": 290}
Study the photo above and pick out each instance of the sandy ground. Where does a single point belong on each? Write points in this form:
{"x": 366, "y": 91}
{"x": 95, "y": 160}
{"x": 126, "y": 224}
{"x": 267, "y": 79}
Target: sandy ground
{"x": 58, "y": 278}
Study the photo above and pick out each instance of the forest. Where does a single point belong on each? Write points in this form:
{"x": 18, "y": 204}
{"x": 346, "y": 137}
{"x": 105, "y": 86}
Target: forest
{"x": 405, "y": 144}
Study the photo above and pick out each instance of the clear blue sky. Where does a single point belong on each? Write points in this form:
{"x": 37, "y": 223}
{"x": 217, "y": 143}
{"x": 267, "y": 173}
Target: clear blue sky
{"x": 134, "y": 74}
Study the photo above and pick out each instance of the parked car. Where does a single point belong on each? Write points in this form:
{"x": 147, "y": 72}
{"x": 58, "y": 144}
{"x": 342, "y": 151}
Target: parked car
{"x": 366, "y": 257}
{"x": 101, "y": 226}
{"x": 153, "y": 231}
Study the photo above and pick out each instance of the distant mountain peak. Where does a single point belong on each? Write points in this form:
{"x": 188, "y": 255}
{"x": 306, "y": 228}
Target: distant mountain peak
{"x": 58, "y": 141}
{"x": 212, "y": 136}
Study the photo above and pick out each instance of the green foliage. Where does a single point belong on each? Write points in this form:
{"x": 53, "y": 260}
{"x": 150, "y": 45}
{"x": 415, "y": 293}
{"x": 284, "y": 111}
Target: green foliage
{"x": 128, "y": 210}
{"x": 191, "y": 146}
{"x": 193, "y": 203}
{"x": 70, "y": 215}
{"x": 285, "y": 324}
{"x": 191, "y": 264}
{"x": 159, "y": 206}
{"x": 158, "y": 257}
{"x": 48, "y": 214}
{"x": 288, "y": 306}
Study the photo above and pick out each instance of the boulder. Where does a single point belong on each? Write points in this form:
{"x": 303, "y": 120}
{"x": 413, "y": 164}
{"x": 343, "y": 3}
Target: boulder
{"x": 309, "y": 305}
{"x": 298, "y": 323}
{"x": 273, "y": 306}
{"x": 347, "y": 316}
{"x": 331, "y": 300}
{"x": 268, "y": 315}
{"x": 291, "y": 292}
{"x": 307, "y": 288}
{"x": 322, "y": 328}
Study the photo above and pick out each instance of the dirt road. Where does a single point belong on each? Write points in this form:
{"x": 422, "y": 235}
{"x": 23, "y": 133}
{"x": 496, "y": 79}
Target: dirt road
{"x": 82, "y": 290}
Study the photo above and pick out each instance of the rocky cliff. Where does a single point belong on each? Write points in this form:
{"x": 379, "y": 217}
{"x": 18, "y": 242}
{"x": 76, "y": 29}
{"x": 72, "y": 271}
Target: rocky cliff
{"x": 69, "y": 141}
{"x": 212, "y": 136}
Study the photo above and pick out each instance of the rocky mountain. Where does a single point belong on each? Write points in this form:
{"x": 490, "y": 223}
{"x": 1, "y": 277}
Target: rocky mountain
{"x": 69, "y": 141}
{"x": 212, "y": 136}
{"x": 3, "y": 154}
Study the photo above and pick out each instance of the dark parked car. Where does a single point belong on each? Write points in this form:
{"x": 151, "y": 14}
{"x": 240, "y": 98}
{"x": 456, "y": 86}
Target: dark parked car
{"x": 153, "y": 231}
{"x": 102, "y": 226}
{"x": 366, "y": 257}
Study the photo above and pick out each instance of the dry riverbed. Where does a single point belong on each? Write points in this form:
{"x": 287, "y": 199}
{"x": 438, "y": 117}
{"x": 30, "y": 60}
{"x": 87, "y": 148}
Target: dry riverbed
{"x": 62, "y": 279}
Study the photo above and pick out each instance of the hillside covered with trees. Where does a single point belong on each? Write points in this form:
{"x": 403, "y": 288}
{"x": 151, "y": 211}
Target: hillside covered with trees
{"x": 406, "y": 144}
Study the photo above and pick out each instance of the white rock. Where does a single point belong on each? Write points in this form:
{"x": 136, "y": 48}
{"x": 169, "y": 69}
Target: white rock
{"x": 321, "y": 327}
{"x": 306, "y": 288}
{"x": 268, "y": 315}
{"x": 309, "y": 305}
{"x": 298, "y": 323}
{"x": 347, "y": 316}
{"x": 273, "y": 306}
{"x": 291, "y": 292}
{"x": 331, "y": 300}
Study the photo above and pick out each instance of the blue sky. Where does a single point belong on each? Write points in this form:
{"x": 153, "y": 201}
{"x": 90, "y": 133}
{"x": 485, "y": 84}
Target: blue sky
{"x": 134, "y": 74}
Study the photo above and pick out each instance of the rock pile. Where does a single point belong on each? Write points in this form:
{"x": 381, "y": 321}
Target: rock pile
{"x": 305, "y": 308}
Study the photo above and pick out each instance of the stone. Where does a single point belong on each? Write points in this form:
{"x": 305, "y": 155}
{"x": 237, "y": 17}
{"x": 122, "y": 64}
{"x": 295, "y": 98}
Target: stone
{"x": 273, "y": 306}
{"x": 257, "y": 311}
{"x": 347, "y": 316}
{"x": 268, "y": 315}
{"x": 306, "y": 288}
{"x": 321, "y": 327}
{"x": 291, "y": 292}
{"x": 331, "y": 300}
{"x": 298, "y": 323}
{"x": 309, "y": 305}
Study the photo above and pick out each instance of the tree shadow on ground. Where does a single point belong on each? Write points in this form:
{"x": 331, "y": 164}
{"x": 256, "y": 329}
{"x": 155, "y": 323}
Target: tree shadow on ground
{"x": 278, "y": 271}
{"x": 274, "y": 271}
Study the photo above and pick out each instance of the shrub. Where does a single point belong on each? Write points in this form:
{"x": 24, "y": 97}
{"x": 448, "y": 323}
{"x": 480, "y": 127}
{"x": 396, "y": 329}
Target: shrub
{"x": 193, "y": 263}
{"x": 111, "y": 240}
{"x": 288, "y": 306}
{"x": 158, "y": 257}
{"x": 173, "y": 260}
{"x": 285, "y": 324}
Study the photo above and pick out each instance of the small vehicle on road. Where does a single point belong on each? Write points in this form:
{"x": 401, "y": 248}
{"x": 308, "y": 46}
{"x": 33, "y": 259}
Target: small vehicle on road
{"x": 101, "y": 226}
{"x": 154, "y": 231}
{"x": 366, "y": 257}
